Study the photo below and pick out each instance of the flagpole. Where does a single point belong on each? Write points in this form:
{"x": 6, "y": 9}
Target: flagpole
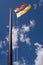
{"x": 10, "y": 39}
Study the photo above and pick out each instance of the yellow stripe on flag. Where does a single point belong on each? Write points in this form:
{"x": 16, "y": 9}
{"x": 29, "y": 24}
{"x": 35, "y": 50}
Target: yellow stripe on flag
{"x": 23, "y": 11}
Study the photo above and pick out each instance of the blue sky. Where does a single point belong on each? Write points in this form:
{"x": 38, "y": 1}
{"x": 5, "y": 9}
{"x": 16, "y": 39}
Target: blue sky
{"x": 28, "y": 35}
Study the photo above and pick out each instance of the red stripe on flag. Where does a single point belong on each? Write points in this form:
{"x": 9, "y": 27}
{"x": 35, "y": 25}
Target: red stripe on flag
{"x": 20, "y": 7}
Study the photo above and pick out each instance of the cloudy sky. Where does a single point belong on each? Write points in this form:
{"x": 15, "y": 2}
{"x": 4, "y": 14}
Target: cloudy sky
{"x": 27, "y": 33}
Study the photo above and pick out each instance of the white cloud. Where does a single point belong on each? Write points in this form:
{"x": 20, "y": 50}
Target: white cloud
{"x": 40, "y": 2}
{"x": 14, "y": 37}
{"x": 23, "y": 38}
{"x": 4, "y": 42}
{"x": 35, "y": 6}
{"x": 25, "y": 28}
{"x": 16, "y": 63}
{"x": 28, "y": 40}
{"x": 4, "y": 52}
{"x": 39, "y": 59}
{"x": 39, "y": 52}
{"x": 7, "y": 26}
{"x": 7, "y": 38}
{"x": 1, "y": 45}
{"x": 38, "y": 45}
{"x": 24, "y": 61}
{"x": 20, "y": 63}
{"x": 32, "y": 23}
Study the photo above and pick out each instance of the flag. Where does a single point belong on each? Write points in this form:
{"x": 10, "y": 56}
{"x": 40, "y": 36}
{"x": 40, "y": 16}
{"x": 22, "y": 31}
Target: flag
{"x": 22, "y": 10}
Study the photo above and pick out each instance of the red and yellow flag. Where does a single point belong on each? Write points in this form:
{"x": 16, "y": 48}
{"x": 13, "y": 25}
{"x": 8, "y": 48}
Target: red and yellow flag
{"x": 22, "y": 10}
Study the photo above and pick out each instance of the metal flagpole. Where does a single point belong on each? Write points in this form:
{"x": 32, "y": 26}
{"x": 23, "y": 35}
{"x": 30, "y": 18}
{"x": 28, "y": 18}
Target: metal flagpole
{"x": 10, "y": 39}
